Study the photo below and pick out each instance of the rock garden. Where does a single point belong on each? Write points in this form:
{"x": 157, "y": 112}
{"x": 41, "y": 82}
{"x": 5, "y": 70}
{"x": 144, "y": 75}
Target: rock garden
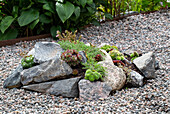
{"x": 118, "y": 67}
{"x": 70, "y": 68}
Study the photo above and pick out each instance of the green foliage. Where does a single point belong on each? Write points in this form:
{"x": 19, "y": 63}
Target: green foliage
{"x": 92, "y": 75}
{"x": 126, "y": 71}
{"x": 116, "y": 55}
{"x": 68, "y": 36}
{"x": 72, "y": 57}
{"x": 109, "y": 48}
{"x": 27, "y": 62}
{"x": 152, "y": 5}
{"x": 32, "y": 17}
{"x": 90, "y": 51}
{"x": 94, "y": 66}
{"x": 134, "y": 55}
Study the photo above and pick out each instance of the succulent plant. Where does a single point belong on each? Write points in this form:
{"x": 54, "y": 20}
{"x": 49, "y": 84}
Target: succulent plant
{"x": 27, "y": 62}
{"x": 72, "y": 57}
{"x": 116, "y": 55}
{"x": 75, "y": 72}
{"x": 134, "y": 55}
{"x": 92, "y": 75}
{"x": 98, "y": 57}
{"x": 109, "y": 48}
{"x": 68, "y": 36}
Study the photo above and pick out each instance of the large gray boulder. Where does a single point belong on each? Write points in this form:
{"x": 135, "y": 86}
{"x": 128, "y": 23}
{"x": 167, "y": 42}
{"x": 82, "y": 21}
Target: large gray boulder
{"x": 135, "y": 79}
{"x": 93, "y": 90}
{"x": 65, "y": 88}
{"x": 114, "y": 76}
{"x": 14, "y": 79}
{"x": 45, "y": 51}
{"x": 146, "y": 64}
{"x": 51, "y": 69}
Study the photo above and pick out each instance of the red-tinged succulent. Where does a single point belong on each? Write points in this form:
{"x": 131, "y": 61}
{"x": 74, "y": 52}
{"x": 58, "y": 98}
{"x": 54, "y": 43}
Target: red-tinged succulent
{"x": 98, "y": 57}
{"x": 72, "y": 57}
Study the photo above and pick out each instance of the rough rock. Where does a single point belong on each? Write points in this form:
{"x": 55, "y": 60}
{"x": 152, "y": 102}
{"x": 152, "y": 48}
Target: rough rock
{"x": 84, "y": 59}
{"x": 114, "y": 76}
{"x": 135, "y": 79}
{"x": 93, "y": 90}
{"x": 65, "y": 88}
{"x": 31, "y": 52}
{"x": 46, "y": 71}
{"x": 146, "y": 64}
{"x": 14, "y": 79}
{"x": 45, "y": 51}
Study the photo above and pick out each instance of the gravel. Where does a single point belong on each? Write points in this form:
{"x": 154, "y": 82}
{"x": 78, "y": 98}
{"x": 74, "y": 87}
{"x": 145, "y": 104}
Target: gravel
{"x": 150, "y": 32}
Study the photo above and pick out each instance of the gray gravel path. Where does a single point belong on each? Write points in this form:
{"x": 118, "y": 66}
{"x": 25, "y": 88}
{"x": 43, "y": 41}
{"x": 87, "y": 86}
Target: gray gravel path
{"x": 149, "y": 32}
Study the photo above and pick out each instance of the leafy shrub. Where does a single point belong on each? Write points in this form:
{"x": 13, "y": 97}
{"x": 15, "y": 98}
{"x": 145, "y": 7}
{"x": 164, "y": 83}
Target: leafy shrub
{"x": 72, "y": 57}
{"x": 30, "y": 17}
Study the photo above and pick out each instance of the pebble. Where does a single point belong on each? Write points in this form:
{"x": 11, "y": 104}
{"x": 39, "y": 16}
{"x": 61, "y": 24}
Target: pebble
{"x": 148, "y": 32}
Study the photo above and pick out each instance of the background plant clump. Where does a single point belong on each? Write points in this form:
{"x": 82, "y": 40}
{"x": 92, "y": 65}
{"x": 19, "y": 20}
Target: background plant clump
{"x": 20, "y": 18}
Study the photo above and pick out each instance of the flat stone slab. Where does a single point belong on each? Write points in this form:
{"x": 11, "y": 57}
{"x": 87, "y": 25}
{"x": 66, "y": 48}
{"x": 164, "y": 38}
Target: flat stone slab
{"x": 65, "y": 88}
{"x": 14, "y": 79}
{"x": 49, "y": 70}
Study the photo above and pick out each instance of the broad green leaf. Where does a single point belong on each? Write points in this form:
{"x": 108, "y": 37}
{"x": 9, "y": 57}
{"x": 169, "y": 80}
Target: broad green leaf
{"x": 54, "y": 29}
{"x": 48, "y": 14}
{"x": 33, "y": 24}
{"x": 9, "y": 34}
{"x": 28, "y": 16}
{"x": 90, "y": 10}
{"x": 96, "y": 23}
{"x": 108, "y": 15}
{"x": 83, "y": 2}
{"x": 44, "y": 18}
{"x": 64, "y": 10}
{"x": 49, "y": 7}
{"x": 5, "y": 23}
{"x": 77, "y": 12}
{"x": 89, "y": 1}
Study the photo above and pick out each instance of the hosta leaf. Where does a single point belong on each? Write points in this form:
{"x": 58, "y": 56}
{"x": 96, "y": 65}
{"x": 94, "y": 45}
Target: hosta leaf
{"x": 28, "y": 16}
{"x": 9, "y": 34}
{"x": 83, "y": 2}
{"x": 77, "y": 12}
{"x": 33, "y": 24}
{"x": 5, "y": 23}
{"x": 89, "y": 1}
{"x": 49, "y": 7}
{"x": 44, "y": 18}
{"x": 53, "y": 30}
{"x": 64, "y": 10}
